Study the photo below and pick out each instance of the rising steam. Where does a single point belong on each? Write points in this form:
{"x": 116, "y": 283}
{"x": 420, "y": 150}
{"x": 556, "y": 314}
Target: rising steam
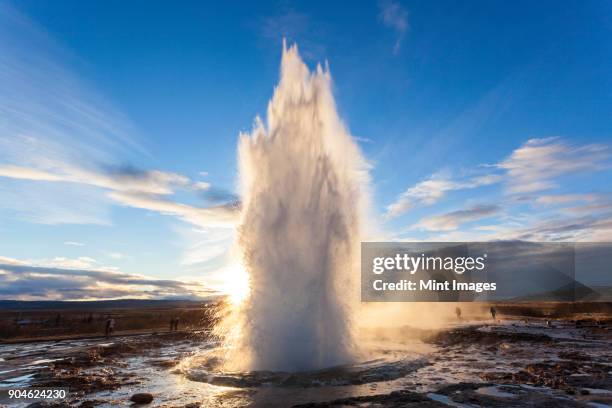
{"x": 302, "y": 181}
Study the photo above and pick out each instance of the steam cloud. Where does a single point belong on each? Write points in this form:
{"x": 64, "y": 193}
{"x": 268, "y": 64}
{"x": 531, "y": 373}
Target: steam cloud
{"x": 303, "y": 188}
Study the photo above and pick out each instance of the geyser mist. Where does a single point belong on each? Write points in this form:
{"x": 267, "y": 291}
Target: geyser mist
{"x": 303, "y": 186}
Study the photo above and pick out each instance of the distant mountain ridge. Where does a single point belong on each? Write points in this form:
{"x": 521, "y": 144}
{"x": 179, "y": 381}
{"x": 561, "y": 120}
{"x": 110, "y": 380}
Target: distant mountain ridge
{"x": 572, "y": 292}
{"x": 95, "y": 304}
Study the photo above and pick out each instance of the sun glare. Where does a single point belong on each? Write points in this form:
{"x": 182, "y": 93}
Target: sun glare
{"x": 236, "y": 284}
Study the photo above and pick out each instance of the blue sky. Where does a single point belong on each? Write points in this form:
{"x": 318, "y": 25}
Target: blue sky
{"x": 119, "y": 122}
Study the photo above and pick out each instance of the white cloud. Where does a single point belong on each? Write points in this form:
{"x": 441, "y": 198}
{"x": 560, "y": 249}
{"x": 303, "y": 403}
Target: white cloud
{"x": 452, "y": 220}
{"x": 119, "y": 179}
{"x": 578, "y": 227}
{"x": 74, "y": 243}
{"x": 218, "y": 216}
{"x": 51, "y": 116}
{"x": 537, "y": 164}
{"x": 593, "y": 207}
{"x": 204, "y": 248}
{"x": 529, "y": 172}
{"x": 395, "y": 17}
{"x": 11, "y": 261}
{"x": 201, "y": 185}
{"x": 134, "y": 188}
{"x": 556, "y": 199}
{"x": 80, "y": 279}
{"x": 363, "y": 139}
{"x": 64, "y": 262}
{"x": 53, "y": 203}
{"x": 62, "y": 145}
{"x": 432, "y": 190}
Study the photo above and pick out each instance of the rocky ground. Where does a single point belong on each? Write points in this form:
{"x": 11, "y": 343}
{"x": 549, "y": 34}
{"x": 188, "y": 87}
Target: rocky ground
{"x": 543, "y": 364}
{"x": 513, "y": 363}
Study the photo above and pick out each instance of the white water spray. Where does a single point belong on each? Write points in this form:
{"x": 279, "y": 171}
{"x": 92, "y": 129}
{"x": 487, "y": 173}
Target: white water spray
{"x": 303, "y": 183}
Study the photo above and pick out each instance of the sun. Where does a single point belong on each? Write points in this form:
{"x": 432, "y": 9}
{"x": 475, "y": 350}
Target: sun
{"x": 236, "y": 283}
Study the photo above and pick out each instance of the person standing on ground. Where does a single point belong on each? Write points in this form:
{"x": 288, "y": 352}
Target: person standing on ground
{"x": 493, "y": 312}
{"x": 111, "y": 326}
{"x": 458, "y": 313}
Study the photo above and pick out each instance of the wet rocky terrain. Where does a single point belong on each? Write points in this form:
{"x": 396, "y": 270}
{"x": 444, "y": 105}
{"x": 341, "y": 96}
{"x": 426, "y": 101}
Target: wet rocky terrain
{"x": 539, "y": 364}
{"x": 513, "y": 363}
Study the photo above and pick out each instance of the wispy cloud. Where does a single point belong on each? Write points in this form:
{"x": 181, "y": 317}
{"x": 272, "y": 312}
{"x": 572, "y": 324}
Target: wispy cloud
{"x": 135, "y": 188}
{"x": 537, "y": 164}
{"x": 363, "y": 139}
{"x": 118, "y": 179}
{"x": 74, "y": 243}
{"x": 432, "y": 190}
{"x": 533, "y": 167}
{"x": 59, "y": 142}
{"x": 63, "y": 149}
{"x": 555, "y": 199}
{"x": 50, "y": 116}
{"x": 53, "y": 203}
{"x": 217, "y": 216}
{"x": 453, "y": 220}
{"x": 201, "y": 185}
{"x": 593, "y": 227}
{"x": 80, "y": 279}
{"x": 395, "y": 17}
{"x": 205, "y": 249}
{"x": 572, "y": 229}
{"x": 529, "y": 176}
{"x": 216, "y": 195}
{"x": 590, "y": 222}
{"x": 42, "y": 98}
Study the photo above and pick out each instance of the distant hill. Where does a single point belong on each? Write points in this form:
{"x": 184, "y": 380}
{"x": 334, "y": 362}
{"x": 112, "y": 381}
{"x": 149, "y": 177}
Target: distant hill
{"x": 97, "y": 304}
{"x": 572, "y": 292}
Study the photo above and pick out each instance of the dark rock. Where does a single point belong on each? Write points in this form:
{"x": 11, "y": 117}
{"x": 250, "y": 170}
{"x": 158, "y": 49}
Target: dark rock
{"x": 165, "y": 363}
{"x": 574, "y": 355}
{"x": 142, "y": 398}
{"x": 90, "y": 403}
{"x": 472, "y": 335}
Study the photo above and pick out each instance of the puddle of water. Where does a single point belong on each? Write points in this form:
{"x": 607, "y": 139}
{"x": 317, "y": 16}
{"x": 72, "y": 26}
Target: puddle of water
{"x": 443, "y": 399}
{"x": 597, "y": 391}
{"x": 19, "y": 381}
{"x": 494, "y": 391}
{"x": 44, "y": 361}
{"x": 597, "y": 405}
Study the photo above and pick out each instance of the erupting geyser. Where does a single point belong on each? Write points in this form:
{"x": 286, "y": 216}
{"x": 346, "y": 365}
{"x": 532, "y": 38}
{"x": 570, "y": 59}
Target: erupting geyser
{"x": 303, "y": 183}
